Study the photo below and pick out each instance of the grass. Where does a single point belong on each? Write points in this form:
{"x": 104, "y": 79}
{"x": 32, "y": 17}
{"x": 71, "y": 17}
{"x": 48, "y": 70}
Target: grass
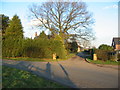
{"x": 29, "y": 59}
{"x": 15, "y": 78}
{"x": 109, "y": 62}
{"x": 38, "y": 59}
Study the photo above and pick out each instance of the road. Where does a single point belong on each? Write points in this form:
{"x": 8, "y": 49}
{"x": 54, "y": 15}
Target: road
{"x": 74, "y": 72}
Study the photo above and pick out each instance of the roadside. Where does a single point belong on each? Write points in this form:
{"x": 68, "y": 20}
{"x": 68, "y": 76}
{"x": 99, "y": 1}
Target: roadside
{"x": 38, "y": 59}
{"x": 84, "y": 55}
{"x": 74, "y": 72}
{"x": 16, "y": 78}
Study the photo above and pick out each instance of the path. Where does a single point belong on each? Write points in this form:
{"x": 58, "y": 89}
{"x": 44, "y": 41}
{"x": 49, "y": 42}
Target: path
{"x": 74, "y": 72}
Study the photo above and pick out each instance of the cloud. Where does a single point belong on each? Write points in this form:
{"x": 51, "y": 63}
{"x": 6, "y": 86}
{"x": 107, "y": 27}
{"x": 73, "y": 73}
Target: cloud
{"x": 35, "y": 22}
{"x": 112, "y": 6}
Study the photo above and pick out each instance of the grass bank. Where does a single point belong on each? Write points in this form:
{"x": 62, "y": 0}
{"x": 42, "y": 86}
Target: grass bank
{"x": 15, "y": 78}
{"x": 38, "y": 59}
{"x": 109, "y": 62}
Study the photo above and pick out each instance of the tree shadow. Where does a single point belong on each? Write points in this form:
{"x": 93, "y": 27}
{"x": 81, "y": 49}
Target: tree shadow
{"x": 65, "y": 72}
{"x": 67, "y": 78}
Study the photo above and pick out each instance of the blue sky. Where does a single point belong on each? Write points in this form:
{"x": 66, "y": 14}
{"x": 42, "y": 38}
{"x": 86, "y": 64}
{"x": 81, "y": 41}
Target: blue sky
{"x": 104, "y": 13}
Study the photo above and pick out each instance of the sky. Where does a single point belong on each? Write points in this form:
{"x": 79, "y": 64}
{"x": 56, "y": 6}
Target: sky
{"x": 105, "y": 14}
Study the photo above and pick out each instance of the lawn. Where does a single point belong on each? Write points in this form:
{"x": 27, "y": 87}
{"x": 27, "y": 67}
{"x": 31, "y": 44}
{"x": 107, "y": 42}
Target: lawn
{"x": 109, "y": 62}
{"x": 15, "y": 78}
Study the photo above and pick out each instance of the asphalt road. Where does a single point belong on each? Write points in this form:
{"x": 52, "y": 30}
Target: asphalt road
{"x": 74, "y": 72}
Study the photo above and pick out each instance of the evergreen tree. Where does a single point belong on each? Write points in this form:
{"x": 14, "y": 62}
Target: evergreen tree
{"x": 4, "y": 24}
{"x": 15, "y": 29}
{"x": 13, "y": 38}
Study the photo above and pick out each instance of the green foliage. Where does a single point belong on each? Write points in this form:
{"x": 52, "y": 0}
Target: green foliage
{"x": 15, "y": 45}
{"x": 102, "y": 54}
{"x": 109, "y": 62}
{"x": 105, "y": 52}
{"x": 73, "y": 47}
{"x": 118, "y": 56}
{"x": 15, "y": 29}
{"x": 42, "y": 35}
{"x": 43, "y": 48}
{"x": 5, "y": 22}
{"x": 14, "y": 78}
{"x": 58, "y": 48}
{"x": 12, "y": 45}
{"x": 105, "y": 55}
{"x": 105, "y": 47}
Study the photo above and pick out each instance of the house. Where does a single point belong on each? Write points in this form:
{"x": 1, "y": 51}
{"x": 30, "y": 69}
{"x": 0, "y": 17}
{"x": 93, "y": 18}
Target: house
{"x": 116, "y": 43}
{"x": 80, "y": 48}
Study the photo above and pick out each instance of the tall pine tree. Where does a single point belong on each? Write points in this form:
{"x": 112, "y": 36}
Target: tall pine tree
{"x": 12, "y": 47}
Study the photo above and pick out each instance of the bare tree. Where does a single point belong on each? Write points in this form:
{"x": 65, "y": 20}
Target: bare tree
{"x": 65, "y": 18}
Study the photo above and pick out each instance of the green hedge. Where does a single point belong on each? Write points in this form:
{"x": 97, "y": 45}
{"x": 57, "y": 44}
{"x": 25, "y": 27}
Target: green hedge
{"x": 41, "y": 48}
{"x": 101, "y": 54}
{"x": 105, "y": 55}
{"x": 118, "y": 56}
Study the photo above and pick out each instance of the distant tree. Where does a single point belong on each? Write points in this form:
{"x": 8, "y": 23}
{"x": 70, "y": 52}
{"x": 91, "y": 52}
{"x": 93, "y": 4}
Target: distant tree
{"x": 105, "y": 47}
{"x": 73, "y": 46}
{"x": 43, "y": 35}
{"x": 12, "y": 45}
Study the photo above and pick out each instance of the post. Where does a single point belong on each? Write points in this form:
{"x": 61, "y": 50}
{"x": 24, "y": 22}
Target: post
{"x": 95, "y": 57}
{"x": 54, "y": 56}
{"x": 78, "y": 49}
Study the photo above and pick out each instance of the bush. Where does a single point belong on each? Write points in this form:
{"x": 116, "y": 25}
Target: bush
{"x": 118, "y": 56}
{"x": 58, "y": 48}
{"x": 72, "y": 47}
{"x": 102, "y": 54}
{"x": 43, "y": 48}
{"x": 105, "y": 55}
{"x": 105, "y": 47}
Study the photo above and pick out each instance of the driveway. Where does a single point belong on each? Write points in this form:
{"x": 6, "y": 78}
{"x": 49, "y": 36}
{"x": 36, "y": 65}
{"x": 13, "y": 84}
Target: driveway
{"x": 74, "y": 72}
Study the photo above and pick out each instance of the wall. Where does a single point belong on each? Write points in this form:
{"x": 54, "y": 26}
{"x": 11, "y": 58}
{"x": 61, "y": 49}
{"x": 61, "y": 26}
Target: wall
{"x": 117, "y": 47}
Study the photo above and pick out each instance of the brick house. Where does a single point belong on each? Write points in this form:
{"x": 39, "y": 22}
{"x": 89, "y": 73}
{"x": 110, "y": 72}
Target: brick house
{"x": 116, "y": 43}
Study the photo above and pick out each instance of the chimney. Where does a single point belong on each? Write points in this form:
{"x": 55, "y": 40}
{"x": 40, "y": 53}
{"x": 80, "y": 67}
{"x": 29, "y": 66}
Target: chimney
{"x": 35, "y": 34}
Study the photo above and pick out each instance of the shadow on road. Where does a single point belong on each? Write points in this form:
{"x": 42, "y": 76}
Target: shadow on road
{"x": 66, "y": 74}
{"x": 45, "y": 73}
{"x": 48, "y": 69}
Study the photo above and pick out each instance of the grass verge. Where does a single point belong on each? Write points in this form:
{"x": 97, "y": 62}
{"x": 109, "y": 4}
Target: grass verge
{"x": 15, "y": 78}
{"x": 109, "y": 62}
{"x": 38, "y": 59}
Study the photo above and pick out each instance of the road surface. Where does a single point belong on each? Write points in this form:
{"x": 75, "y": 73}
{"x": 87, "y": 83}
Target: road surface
{"x": 74, "y": 72}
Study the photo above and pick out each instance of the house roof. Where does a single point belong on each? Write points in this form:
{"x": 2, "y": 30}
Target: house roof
{"x": 116, "y": 40}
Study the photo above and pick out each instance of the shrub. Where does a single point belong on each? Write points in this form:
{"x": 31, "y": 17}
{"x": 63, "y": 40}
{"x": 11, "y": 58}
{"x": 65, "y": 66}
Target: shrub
{"x": 118, "y": 56}
{"x": 105, "y": 47}
{"x": 72, "y": 47}
{"x": 112, "y": 55}
{"x": 58, "y": 48}
{"x": 102, "y": 54}
{"x": 43, "y": 48}
{"x": 105, "y": 55}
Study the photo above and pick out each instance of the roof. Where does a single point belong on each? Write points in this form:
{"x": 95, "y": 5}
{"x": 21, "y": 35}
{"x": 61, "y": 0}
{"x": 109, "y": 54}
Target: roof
{"x": 116, "y": 40}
